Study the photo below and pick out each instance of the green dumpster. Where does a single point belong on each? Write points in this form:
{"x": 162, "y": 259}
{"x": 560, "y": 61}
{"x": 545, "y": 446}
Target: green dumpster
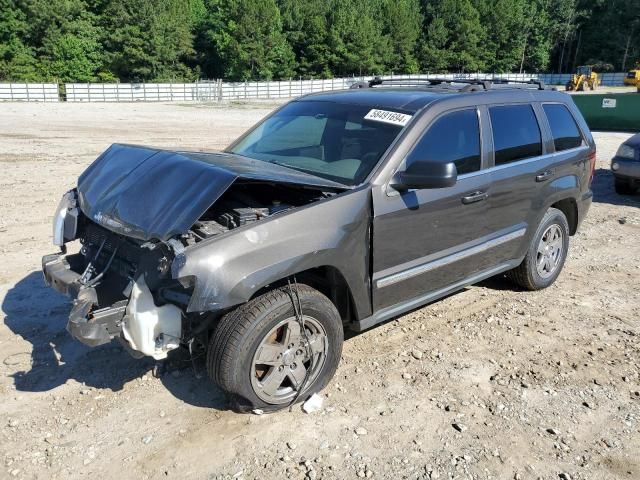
{"x": 610, "y": 111}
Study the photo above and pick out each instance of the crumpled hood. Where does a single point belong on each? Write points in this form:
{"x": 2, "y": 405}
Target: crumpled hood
{"x": 148, "y": 193}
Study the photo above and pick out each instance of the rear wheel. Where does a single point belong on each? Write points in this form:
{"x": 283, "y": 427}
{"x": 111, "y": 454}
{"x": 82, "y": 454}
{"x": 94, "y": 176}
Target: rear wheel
{"x": 546, "y": 255}
{"x": 261, "y": 355}
{"x": 623, "y": 188}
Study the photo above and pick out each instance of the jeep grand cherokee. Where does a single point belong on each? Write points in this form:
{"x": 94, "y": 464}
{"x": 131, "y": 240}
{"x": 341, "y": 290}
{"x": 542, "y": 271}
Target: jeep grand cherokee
{"x": 339, "y": 210}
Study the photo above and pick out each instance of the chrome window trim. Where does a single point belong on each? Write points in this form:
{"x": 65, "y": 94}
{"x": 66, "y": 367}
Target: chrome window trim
{"x": 447, "y": 260}
{"x": 524, "y": 161}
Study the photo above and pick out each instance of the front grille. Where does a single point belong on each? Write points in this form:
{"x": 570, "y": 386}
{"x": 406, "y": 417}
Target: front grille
{"x": 126, "y": 259}
{"x": 128, "y": 250}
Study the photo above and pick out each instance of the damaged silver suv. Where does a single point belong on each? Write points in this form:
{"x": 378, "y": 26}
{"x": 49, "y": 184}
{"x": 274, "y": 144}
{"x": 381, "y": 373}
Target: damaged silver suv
{"x": 339, "y": 210}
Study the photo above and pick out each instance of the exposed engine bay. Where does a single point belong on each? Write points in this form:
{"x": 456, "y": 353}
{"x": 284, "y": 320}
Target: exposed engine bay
{"x": 123, "y": 286}
{"x": 247, "y": 202}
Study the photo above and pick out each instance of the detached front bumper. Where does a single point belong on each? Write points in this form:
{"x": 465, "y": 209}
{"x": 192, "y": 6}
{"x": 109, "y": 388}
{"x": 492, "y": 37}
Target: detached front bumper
{"x": 88, "y": 324}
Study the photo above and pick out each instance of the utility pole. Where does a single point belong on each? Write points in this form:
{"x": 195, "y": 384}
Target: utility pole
{"x": 575, "y": 55}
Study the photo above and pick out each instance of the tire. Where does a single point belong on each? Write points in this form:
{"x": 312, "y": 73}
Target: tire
{"x": 257, "y": 331}
{"x": 528, "y": 275}
{"x": 623, "y": 188}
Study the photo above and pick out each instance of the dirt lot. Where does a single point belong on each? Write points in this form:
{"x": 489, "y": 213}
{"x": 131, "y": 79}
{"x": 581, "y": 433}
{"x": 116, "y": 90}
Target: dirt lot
{"x": 488, "y": 383}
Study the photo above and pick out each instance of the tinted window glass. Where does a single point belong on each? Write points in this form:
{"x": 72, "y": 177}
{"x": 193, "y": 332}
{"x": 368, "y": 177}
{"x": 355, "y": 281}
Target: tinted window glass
{"x": 563, "y": 127}
{"x": 326, "y": 139}
{"x": 516, "y": 134}
{"x": 454, "y": 137}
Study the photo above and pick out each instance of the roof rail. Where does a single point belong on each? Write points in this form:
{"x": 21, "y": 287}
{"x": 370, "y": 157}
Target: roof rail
{"x": 471, "y": 84}
{"x": 533, "y": 81}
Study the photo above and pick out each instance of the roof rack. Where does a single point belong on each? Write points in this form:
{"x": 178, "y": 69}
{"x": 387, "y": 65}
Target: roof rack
{"x": 471, "y": 84}
{"x": 505, "y": 81}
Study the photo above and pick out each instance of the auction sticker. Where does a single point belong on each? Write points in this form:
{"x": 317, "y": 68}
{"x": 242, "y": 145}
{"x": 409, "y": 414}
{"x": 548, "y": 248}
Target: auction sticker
{"x": 385, "y": 116}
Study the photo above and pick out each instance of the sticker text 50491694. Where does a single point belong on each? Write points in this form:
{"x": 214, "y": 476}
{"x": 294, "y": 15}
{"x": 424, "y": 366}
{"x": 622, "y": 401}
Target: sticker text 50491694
{"x": 385, "y": 116}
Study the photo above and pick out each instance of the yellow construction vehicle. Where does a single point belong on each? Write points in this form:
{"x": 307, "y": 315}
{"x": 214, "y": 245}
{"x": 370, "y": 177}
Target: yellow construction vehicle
{"x": 584, "y": 78}
{"x": 633, "y": 76}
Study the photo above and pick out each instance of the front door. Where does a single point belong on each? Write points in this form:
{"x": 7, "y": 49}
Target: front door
{"x": 426, "y": 240}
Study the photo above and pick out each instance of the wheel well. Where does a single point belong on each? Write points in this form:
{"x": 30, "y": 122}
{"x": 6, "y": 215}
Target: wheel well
{"x": 569, "y": 207}
{"x": 328, "y": 281}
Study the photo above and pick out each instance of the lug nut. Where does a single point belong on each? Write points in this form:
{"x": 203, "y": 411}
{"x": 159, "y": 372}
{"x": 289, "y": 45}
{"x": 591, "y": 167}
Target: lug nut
{"x": 293, "y": 366}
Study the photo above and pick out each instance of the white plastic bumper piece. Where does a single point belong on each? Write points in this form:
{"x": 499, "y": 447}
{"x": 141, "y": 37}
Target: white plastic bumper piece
{"x": 149, "y": 329}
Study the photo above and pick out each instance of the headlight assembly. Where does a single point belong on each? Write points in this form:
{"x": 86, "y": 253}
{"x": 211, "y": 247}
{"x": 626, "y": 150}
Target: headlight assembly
{"x": 65, "y": 219}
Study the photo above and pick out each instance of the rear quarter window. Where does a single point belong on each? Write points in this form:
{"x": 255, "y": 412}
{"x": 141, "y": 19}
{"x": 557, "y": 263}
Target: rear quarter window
{"x": 564, "y": 129}
{"x": 516, "y": 134}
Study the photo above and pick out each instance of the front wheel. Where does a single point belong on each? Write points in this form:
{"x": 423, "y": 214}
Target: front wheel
{"x": 546, "y": 254}
{"x": 265, "y": 356}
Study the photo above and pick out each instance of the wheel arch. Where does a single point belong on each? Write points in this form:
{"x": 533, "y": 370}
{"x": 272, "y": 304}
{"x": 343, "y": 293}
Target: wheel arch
{"x": 329, "y": 281}
{"x": 569, "y": 207}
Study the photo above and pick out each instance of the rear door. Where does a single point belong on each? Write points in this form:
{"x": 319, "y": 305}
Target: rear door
{"x": 424, "y": 240}
{"x": 538, "y": 152}
{"x": 521, "y": 165}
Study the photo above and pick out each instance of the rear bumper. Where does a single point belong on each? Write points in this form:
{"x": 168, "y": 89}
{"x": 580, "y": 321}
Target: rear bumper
{"x": 583, "y": 205}
{"x": 88, "y": 324}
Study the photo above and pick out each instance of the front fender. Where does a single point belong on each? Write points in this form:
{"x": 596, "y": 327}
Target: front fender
{"x": 229, "y": 269}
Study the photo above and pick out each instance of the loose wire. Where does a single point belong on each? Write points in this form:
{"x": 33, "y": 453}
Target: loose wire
{"x": 297, "y": 308}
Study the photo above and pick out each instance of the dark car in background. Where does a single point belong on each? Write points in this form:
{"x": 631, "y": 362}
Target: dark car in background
{"x": 625, "y": 166}
{"x": 339, "y": 210}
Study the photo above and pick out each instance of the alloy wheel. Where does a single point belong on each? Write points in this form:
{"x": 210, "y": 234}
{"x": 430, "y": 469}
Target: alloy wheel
{"x": 283, "y": 361}
{"x": 550, "y": 249}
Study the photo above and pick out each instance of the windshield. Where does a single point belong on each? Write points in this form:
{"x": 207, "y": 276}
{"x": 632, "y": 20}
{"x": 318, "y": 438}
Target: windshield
{"x": 330, "y": 140}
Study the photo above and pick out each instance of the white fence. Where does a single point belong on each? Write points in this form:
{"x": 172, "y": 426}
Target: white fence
{"x": 201, "y": 91}
{"x": 141, "y": 92}
{"x": 217, "y": 90}
{"x": 29, "y": 92}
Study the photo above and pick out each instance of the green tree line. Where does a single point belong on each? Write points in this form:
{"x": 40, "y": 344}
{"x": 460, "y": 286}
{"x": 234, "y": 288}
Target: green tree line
{"x": 183, "y": 40}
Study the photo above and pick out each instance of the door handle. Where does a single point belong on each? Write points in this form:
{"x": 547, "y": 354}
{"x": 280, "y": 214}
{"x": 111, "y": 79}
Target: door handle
{"x": 544, "y": 176}
{"x": 474, "y": 197}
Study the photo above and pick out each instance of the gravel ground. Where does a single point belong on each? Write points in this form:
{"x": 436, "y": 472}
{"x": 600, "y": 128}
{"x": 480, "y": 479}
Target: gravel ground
{"x": 489, "y": 383}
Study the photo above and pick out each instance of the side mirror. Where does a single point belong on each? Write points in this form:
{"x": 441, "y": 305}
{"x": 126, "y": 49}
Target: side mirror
{"x": 424, "y": 174}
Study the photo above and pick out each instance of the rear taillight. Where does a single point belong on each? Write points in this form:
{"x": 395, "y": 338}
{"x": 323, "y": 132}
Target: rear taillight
{"x": 592, "y": 164}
